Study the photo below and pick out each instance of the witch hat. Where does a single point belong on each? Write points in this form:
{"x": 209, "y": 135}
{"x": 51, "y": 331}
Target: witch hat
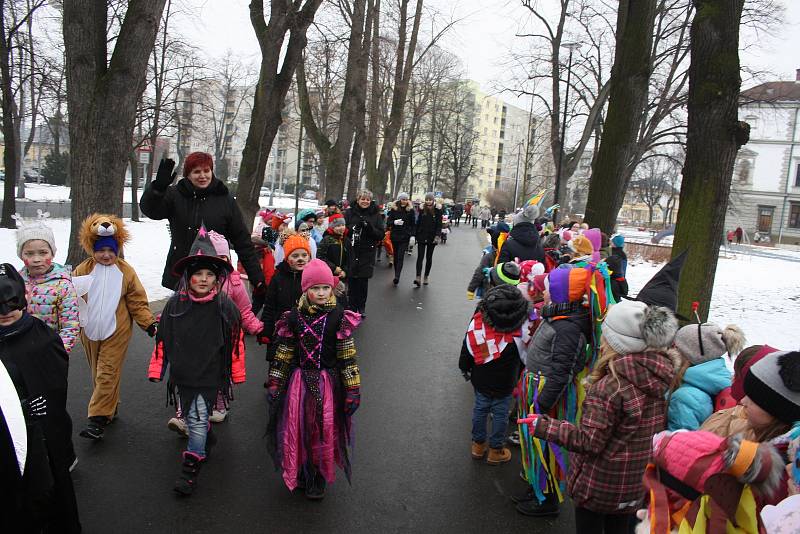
{"x": 202, "y": 253}
{"x": 662, "y": 289}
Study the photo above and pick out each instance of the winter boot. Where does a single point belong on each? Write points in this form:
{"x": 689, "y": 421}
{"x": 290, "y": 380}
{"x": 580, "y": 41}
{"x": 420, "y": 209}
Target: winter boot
{"x": 425, "y": 281}
{"x": 416, "y": 281}
{"x": 316, "y": 490}
{"x": 178, "y": 424}
{"x": 534, "y": 508}
{"x": 527, "y": 496}
{"x": 95, "y": 429}
{"x": 479, "y": 450}
{"x": 189, "y": 473}
{"x": 498, "y": 456}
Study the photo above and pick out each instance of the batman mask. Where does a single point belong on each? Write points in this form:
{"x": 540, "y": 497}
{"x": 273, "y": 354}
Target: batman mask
{"x": 12, "y": 290}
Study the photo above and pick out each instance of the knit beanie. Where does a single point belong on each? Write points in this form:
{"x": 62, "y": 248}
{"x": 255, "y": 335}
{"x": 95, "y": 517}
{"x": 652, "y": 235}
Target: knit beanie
{"x": 106, "y": 241}
{"x": 737, "y": 388}
{"x": 402, "y": 196}
{"x": 552, "y": 241}
{"x": 700, "y": 343}
{"x": 505, "y": 273}
{"x": 430, "y": 196}
{"x": 528, "y": 214}
{"x": 595, "y": 237}
{"x": 504, "y": 308}
{"x": 774, "y": 384}
{"x": 196, "y": 159}
{"x": 632, "y": 326}
{"x": 34, "y": 230}
{"x": 317, "y": 273}
{"x": 618, "y": 240}
{"x": 337, "y": 219}
{"x": 502, "y": 226}
{"x": 294, "y": 242}
{"x": 581, "y": 244}
{"x": 220, "y": 244}
{"x": 566, "y": 236}
{"x": 567, "y": 284}
{"x": 530, "y": 268}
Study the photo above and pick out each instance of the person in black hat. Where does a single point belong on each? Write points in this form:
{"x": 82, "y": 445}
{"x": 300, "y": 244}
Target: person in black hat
{"x": 198, "y": 341}
{"x": 35, "y": 429}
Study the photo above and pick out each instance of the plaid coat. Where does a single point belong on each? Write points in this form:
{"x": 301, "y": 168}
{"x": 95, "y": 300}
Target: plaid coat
{"x": 613, "y": 443}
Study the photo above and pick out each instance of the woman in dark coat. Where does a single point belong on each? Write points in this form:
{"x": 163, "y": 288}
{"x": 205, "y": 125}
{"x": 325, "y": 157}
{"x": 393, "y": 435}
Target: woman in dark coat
{"x": 523, "y": 241}
{"x": 199, "y": 198}
{"x": 428, "y": 230}
{"x": 400, "y": 222}
{"x": 366, "y": 231}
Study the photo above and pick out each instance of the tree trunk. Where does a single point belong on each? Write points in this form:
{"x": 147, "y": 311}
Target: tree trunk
{"x": 10, "y": 154}
{"x": 371, "y": 139}
{"x": 133, "y": 161}
{"x": 714, "y": 135}
{"x": 101, "y": 98}
{"x": 271, "y": 89}
{"x": 630, "y": 77}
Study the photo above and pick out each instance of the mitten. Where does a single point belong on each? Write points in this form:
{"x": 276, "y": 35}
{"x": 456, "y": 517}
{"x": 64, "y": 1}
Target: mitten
{"x": 152, "y": 330}
{"x": 165, "y": 175}
{"x": 259, "y": 296}
{"x": 470, "y": 295}
{"x": 352, "y": 401}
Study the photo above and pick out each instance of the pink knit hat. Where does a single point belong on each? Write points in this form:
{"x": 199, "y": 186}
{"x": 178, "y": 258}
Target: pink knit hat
{"x": 220, "y": 244}
{"x": 595, "y": 237}
{"x": 316, "y": 273}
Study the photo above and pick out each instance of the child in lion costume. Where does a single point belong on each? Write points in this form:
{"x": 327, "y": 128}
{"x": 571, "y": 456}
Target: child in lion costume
{"x": 111, "y": 298}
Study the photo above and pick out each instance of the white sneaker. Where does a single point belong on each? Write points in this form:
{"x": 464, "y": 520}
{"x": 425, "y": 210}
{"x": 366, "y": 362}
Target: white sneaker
{"x": 218, "y": 416}
{"x": 178, "y": 425}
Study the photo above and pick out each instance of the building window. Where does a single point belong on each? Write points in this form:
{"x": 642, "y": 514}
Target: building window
{"x": 797, "y": 176}
{"x": 765, "y": 214}
{"x": 794, "y": 215}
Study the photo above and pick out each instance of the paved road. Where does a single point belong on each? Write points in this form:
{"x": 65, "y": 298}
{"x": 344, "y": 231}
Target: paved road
{"x": 411, "y": 468}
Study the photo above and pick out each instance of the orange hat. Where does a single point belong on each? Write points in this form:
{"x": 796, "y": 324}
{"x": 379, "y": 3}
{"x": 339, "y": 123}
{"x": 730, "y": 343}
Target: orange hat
{"x": 581, "y": 244}
{"x": 294, "y": 242}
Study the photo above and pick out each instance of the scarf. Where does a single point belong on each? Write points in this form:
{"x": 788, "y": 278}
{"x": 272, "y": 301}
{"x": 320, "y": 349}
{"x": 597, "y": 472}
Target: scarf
{"x": 485, "y": 343}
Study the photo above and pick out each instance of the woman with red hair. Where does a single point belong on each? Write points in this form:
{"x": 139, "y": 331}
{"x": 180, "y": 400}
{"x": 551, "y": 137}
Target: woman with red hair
{"x": 199, "y": 198}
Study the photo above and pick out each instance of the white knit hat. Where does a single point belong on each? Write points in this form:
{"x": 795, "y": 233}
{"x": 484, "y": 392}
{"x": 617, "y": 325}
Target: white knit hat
{"x": 28, "y": 231}
{"x": 632, "y": 326}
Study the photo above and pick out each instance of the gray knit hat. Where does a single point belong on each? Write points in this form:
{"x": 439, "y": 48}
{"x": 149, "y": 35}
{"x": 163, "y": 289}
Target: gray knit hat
{"x": 632, "y": 326}
{"x": 402, "y": 196}
{"x": 28, "y": 231}
{"x": 700, "y": 343}
{"x": 528, "y": 214}
{"x": 774, "y": 384}
{"x": 430, "y": 196}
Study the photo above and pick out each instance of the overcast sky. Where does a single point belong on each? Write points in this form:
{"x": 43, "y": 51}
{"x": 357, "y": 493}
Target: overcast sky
{"x": 484, "y": 35}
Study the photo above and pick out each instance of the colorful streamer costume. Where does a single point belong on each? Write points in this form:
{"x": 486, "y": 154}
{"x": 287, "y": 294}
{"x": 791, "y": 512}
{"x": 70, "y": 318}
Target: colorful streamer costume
{"x": 546, "y": 464}
{"x": 309, "y": 433}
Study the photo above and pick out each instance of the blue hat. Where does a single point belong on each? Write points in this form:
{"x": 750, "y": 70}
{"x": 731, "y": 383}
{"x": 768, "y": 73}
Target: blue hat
{"x": 106, "y": 241}
{"x": 618, "y": 240}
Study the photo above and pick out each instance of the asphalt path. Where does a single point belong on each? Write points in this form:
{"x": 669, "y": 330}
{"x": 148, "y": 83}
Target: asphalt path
{"x": 412, "y": 470}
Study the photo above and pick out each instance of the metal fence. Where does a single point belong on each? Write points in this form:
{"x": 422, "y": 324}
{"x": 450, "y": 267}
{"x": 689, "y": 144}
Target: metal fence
{"x": 58, "y": 209}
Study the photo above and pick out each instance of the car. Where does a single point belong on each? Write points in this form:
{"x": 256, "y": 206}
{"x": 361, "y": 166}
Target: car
{"x": 308, "y": 194}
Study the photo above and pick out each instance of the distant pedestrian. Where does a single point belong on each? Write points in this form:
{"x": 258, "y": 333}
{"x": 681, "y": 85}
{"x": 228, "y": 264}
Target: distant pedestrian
{"x": 468, "y": 207}
{"x": 428, "y": 233}
{"x": 400, "y": 223}
{"x": 523, "y": 241}
{"x": 366, "y": 230}
{"x": 314, "y": 387}
{"x": 458, "y": 210}
{"x": 485, "y": 216}
{"x": 730, "y": 236}
{"x": 198, "y": 343}
{"x": 739, "y": 235}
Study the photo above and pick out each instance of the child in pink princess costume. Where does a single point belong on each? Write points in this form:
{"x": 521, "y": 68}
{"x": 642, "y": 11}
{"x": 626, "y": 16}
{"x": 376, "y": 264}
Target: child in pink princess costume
{"x": 314, "y": 386}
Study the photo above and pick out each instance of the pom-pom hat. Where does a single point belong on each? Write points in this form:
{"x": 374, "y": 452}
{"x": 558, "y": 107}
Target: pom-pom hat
{"x": 632, "y": 326}
{"x": 28, "y": 231}
{"x": 528, "y": 214}
{"x": 317, "y": 273}
{"x": 700, "y": 343}
{"x": 774, "y": 384}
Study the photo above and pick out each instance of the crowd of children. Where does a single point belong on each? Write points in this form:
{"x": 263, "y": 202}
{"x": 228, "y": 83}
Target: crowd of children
{"x": 646, "y": 426}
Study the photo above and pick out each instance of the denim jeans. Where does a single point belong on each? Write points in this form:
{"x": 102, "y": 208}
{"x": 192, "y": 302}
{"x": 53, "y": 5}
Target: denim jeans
{"x": 499, "y": 408}
{"x": 197, "y": 422}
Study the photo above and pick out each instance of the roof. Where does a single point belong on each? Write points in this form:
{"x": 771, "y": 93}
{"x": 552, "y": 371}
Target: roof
{"x": 773, "y": 92}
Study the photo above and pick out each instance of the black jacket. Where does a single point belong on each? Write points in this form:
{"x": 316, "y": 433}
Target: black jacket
{"x": 558, "y": 349}
{"x": 35, "y": 358}
{"x": 428, "y": 226}
{"x": 282, "y": 295}
{"x": 403, "y": 233}
{"x": 365, "y": 229}
{"x": 523, "y": 243}
{"x": 186, "y": 208}
{"x": 334, "y": 251}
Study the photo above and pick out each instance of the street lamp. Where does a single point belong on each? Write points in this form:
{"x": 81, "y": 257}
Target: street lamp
{"x": 516, "y": 176}
{"x": 571, "y": 47}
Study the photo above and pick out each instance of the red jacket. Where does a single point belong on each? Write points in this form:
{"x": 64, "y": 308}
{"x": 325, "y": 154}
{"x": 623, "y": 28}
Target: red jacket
{"x": 612, "y": 445}
{"x": 158, "y": 365}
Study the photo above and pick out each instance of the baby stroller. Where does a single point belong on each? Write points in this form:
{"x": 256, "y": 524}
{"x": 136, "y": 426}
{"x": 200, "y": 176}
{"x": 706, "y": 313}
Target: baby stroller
{"x": 445, "y": 228}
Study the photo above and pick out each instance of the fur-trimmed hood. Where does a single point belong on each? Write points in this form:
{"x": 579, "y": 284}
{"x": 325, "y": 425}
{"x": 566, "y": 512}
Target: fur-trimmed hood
{"x": 394, "y": 206}
{"x": 99, "y": 225}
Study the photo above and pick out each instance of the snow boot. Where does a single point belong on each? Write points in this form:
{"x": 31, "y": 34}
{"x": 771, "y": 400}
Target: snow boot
{"x": 498, "y": 456}
{"x": 190, "y": 470}
{"x": 479, "y": 450}
{"x": 534, "y": 508}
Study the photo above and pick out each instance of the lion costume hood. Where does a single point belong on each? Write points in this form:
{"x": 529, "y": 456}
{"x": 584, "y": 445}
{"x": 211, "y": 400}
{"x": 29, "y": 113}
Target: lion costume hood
{"x": 99, "y": 226}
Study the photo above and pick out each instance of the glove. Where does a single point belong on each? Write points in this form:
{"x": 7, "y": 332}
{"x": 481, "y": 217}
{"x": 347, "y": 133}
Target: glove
{"x": 263, "y": 338}
{"x": 467, "y": 375}
{"x": 165, "y": 176}
{"x": 152, "y": 330}
{"x": 258, "y": 296}
{"x": 398, "y": 222}
{"x": 470, "y": 295}
{"x": 352, "y": 401}
{"x": 35, "y": 408}
{"x": 273, "y": 389}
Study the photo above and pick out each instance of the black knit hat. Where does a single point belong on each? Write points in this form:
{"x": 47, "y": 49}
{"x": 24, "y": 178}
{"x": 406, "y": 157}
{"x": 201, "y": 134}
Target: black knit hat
{"x": 504, "y": 308}
{"x": 12, "y": 290}
{"x": 505, "y": 273}
{"x": 774, "y": 384}
{"x": 662, "y": 289}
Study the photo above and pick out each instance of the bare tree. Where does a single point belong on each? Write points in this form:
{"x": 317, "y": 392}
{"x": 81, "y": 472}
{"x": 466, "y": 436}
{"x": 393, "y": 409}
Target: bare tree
{"x": 654, "y": 182}
{"x": 457, "y": 133}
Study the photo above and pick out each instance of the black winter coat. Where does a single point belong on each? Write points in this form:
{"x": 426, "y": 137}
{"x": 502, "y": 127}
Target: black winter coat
{"x": 334, "y": 251}
{"x": 558, "y": 348}
{"x": 429, "y": 226}
{"x": 403, "y": 233}
{"x": 186, "y": 208}
{"x": 366, "y": 230}
{"x": 282, "y": 295}
{"x": 497, "y": 378}
{"x": 37, "y": 363}
{"x": 523, "y": 243}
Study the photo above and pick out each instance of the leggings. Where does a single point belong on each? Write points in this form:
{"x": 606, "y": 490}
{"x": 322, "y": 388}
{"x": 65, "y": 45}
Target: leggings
{"x": 357, "y": 294}
{"x": 399, "y": 257}
{"x": 425, "y": 251}
{"x": 588, "y": 522}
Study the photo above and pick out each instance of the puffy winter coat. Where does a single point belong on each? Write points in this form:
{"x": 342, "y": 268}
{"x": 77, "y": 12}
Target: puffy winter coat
{"x": 558, "y": 348}
{"x": 401, "y": 233}
{"x": 612, "y": 446}
{"x": 186, "y": 208}
{"x": 429, "y": 226}
{"x": 692, "y": 403}
{"x": 523, "y": 243}
{"x": 282, "y": 295}
{"x": 496, "y": 378}
{"x": 478, "y": 280}
{"x": 335, "y": 251}
{"x": 365, "y": 229}
{"x": 52, "y": 298}
{"x": 236, "y": 291}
